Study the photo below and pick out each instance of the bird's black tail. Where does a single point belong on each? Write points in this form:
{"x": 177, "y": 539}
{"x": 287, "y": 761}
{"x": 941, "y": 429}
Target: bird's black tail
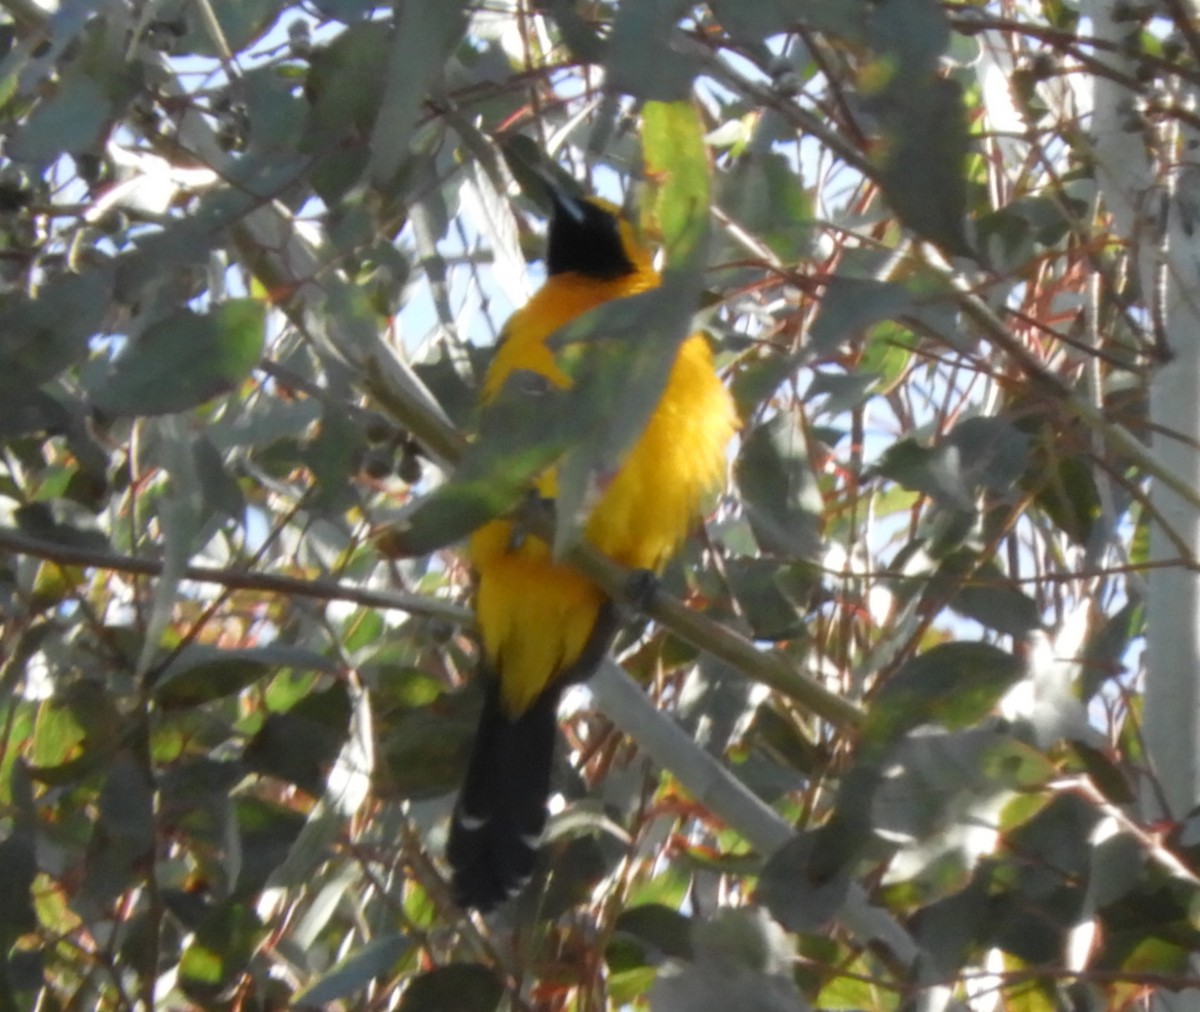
{"x": 501, "y": 810}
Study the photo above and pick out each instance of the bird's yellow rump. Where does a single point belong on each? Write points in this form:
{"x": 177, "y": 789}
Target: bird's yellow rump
{"x": 543, "y": 624}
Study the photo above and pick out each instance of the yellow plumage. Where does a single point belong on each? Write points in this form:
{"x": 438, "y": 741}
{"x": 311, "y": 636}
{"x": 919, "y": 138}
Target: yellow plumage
{"x": 536, "y": 616}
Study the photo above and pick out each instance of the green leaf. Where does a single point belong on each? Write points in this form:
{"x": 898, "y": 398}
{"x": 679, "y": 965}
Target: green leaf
{"x": 912, "y": 35}
{"x": 1158, "y": 957}
{"x": 922, "y": 164}
{"x": 981, "y": 591}
{"x": 995, "y": 451}
{"x": 345, "y": 83}
{"x": 954, "y": 684}
{"x": 269, "y": 834}
{"x": 92, "y": 84}
{"x": 798, "y": 899}
{"x": 62, "y": 522}
{"x": 184, "y": 360}
{"x": 220, "y": 950}
{"x": 842, "y": 392}
{"x": 345, "y": 92}
{"x": 951, "y": 928}
{"x": 1012, "y": 233}
{"x": 743, "y": 961}
{"x": 772, "y": 599}
{"x": 577, "y": 31}
{"x": 77, "y": 731}
{"x": 127, "y": 805}
{"x": 939, "y": 781}
{"x": 464, "y": 987}
{"x": 276, "y": 113}
{"x": 353, "y": 973}
{"x": 765, "y": 195}
{"x": 222, "y": 494}
{"x": 642, "y": 62}
{"x": 782, "y": 501}
{"x": 301, "y": 744}
{"x": 70, "y": 121}
{"x": 978, "y": 453}
{"x": 18, "y": 868}
{"x": 1118, "y": 863}
{"x": 850, "y": 305}
{"x": 677, "y": 162}
{"x": 200, "y": 674}
{"x": 424, "y": 36}
{"x": 660, "y": 931}
{"x": 523, "y": 436}
{"x": 426, "y": 747}
{"x": 43, "y": 334}
{"x": 1106, "y": 771}
{"x": 26, "y": 411}
{"x": 1061, "y": 482}
{"x": 932, "y": 471}
{"x": 619, "y": 358}
{"x": 574, "y": 868}
{"x": 851, "y": 989}
{"x": 334, "y": 455}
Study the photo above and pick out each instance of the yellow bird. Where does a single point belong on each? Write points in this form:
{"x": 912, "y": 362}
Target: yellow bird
{"x": 543, "y": 624}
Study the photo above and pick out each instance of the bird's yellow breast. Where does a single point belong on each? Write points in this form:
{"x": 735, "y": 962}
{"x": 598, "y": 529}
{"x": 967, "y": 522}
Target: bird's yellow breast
{"x": 535, "y": 615}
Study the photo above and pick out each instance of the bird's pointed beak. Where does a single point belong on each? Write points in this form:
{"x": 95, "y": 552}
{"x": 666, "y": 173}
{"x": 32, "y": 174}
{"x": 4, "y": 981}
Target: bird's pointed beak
{"x": 564, "y": 203}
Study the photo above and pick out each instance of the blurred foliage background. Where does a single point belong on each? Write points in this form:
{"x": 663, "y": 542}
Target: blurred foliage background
{"x": 253, "y": 260}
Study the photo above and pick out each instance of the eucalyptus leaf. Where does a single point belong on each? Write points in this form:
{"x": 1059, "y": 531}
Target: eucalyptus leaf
{"x": 777, "y": 482}
{"x": 219, "y": 951}
{"x": 923, "y": 159}
{"x": 355, "y": 972}
{"x": 850, "y": 305}
{"x": 466, "y": 987}
{"x": 199, "y": 674}
{"x": 184, "y": 360}
{"x": 641, "y": 59}
{"x": 953, "y": 684}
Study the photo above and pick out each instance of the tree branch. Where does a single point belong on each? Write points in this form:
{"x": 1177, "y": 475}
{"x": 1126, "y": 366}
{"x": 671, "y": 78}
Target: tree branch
{"x": 321, "y": 590}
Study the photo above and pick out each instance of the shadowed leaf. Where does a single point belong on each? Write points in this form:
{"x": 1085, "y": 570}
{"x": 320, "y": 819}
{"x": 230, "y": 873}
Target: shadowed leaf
{"x": 184, "y": 360}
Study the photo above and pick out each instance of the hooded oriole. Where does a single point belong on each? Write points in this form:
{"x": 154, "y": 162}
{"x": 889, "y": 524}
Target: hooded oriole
{"x": 543, "y": 624}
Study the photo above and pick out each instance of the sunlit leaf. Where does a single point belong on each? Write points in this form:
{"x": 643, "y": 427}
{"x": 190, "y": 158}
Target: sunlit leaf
{"x": 953, "y": 684}
{"x": 677, "y": 163}
{"x": 741, "y": 960}
{"x": 218, "y": 953}
{"x": 355, "y": 972}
